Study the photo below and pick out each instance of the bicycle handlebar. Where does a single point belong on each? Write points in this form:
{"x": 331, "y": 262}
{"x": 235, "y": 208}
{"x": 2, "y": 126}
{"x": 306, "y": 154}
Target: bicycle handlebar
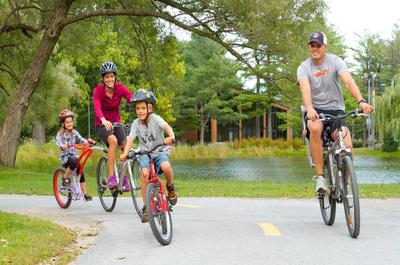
{"x": 134, "y": 153}
{"x": 328, "y": 117}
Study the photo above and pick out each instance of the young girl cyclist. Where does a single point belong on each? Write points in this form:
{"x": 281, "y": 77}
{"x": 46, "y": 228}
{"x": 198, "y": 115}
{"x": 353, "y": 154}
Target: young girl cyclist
{"x": 67, "y": 136}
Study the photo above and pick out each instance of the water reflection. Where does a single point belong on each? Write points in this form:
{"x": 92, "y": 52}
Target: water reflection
{"x": 283, "y": 169}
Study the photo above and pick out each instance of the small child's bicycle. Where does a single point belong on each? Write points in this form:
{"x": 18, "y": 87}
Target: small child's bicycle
{"x": 65, "y": 195}
{"x": 158, "y": 207}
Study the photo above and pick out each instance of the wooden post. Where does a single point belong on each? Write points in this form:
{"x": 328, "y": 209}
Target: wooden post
{"x": 264, "y": 124}
{"x": 214, "y": 132}
{"x": 289, "y": 131}
{"x": 240, "y": 127}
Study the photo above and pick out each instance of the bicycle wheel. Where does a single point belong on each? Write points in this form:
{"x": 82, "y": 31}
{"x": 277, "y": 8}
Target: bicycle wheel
{"x": 351, "y": 201}
{"x": 108, "y": 198}
{"x": 160, "y": 220}
{"x": 136, "y": 190}
{"x": 327, "y": 203}
{"x": 62, "y": 195}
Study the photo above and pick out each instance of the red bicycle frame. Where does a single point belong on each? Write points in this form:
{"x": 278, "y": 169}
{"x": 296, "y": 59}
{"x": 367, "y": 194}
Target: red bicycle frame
{"x": 86, "y": 153}
{"x": 155, "y": 179}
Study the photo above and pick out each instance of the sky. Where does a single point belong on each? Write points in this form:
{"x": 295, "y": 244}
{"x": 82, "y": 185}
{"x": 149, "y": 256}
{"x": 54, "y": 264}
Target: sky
{"x": 352, "y": 17}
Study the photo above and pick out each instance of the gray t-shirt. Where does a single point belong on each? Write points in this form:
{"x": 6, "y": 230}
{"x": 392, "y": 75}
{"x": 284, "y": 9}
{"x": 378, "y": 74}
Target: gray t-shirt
{"x": 324, "y": 82}
{"x": 149, "y": 135}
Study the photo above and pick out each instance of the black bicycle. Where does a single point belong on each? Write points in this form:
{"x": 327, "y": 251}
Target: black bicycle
{"x": 338, "y": 167}
{"x": 108, "y": 197}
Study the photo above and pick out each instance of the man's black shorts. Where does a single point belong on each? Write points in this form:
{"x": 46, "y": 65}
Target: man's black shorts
{"x": 332, "y": 125}
{"x": 103, "y": 134}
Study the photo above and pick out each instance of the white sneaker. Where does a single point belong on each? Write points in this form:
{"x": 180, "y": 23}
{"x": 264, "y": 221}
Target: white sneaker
{"x": 320, "y": 185}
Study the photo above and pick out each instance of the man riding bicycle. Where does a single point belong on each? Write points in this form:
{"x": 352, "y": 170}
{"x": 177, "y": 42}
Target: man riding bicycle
{"x": 319, "y": 78}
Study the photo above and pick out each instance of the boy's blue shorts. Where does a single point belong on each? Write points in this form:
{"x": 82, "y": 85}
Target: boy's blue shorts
{"x": 145, "y": 162}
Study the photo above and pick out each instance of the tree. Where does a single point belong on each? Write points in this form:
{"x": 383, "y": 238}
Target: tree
{"x": 388, "y": 113}
{"x": 47, "y": 20}
{"x": 56, "y": 87}
{"x": 208, "y": 85}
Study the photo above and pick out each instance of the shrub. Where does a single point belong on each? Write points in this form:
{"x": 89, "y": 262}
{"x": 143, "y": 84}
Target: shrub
{"x": 298, "y": 143}
{"x": 389, "y": 143}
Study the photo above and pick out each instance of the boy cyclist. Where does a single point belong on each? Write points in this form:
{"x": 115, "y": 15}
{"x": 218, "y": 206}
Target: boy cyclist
{"x": 149, "y": 129}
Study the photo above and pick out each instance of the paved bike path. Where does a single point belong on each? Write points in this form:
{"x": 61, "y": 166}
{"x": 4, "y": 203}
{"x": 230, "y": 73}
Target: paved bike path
{"x": 226, "y": 231}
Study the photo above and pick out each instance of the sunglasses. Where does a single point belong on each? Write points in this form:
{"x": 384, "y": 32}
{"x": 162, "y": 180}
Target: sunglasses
{"x": 314, "y": 45}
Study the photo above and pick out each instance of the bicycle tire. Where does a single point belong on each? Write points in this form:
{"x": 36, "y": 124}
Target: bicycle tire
{"x": 63, "y": 197}
{"x": 160, "y": 221}
{"x": 327, "y": 203}
{"x": 108, "y": 198}
{"x": 351, "y": 200}
{"x": 136, "y": 189}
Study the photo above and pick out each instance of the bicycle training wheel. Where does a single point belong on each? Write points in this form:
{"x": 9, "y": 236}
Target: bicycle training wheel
{"x": 62, "y": 195}
{"x": 351, "y": 201}
{"x": 160, "y": 220}
{"x": 326, "y": 202}
{"x": 136, "y": 190}
{"x": 108, "y": 198}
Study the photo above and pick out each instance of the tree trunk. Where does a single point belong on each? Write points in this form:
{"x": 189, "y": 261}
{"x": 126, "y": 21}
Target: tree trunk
{"x": 39, "y": 132}
{"x": 11, "y": 128}
{"x": 202, "y": 128}
{"x": 257, "y": 118}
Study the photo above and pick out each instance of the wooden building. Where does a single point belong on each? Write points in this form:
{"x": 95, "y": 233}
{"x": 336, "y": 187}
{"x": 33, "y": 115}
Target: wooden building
{"x": 269, "y": 122}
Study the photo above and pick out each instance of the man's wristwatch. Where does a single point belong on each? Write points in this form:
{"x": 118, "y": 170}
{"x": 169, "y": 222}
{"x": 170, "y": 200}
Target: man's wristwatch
{"x": 362, "y": 100}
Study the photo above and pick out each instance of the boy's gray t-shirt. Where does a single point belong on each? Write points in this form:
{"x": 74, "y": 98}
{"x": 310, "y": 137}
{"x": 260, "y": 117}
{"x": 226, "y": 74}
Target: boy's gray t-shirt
{"x": 324, "y": 82}
{"x": 149, "y": 135}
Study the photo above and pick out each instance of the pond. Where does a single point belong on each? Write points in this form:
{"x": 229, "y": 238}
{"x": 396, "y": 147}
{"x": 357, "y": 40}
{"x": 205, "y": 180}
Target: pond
{"x": 369, "y": 170}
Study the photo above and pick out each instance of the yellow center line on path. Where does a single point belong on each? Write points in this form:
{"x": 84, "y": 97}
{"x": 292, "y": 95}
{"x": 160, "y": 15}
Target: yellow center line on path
{"x": 269, "y": 229}
{"x": 188, "y": 205}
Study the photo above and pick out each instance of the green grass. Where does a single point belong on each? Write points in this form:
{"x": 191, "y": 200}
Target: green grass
{"x": 17, "y": 181}
{"x": 36, "y": 164}
{"x": 26, "y": 240}
{"x": 376, "y": 153}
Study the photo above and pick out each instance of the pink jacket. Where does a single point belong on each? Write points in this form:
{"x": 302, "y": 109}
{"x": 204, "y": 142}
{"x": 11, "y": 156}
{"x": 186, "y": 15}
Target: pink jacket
{"x": 107, "y": 107}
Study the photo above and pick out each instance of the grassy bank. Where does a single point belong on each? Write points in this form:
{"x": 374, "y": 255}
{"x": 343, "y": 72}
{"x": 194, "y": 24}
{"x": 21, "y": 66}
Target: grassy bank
{"x": 376, "y": 153}
{"x": 27, "y": 240}
{"x": 20, "y": 181}
{"x": 36, "y": 164}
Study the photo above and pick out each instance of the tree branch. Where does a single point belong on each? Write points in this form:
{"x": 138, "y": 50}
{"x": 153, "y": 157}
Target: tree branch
{"x": 4, "y": 89}
{"x": 23, "y": 27}
{"x": 213, "y": 35}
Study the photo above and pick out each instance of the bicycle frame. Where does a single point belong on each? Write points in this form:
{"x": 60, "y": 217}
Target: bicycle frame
{"x": 155, "y": 179}
{"x": 334, "y": 153}
{"x": 75, "y": 186}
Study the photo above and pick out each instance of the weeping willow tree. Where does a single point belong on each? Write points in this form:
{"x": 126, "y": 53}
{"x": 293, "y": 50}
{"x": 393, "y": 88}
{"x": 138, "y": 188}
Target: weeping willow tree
{"x": 388, "y": 112}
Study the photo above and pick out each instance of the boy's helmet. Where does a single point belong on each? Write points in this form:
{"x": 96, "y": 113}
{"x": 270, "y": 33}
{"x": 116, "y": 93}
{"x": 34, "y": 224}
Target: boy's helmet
{"x": 108, "y": 67}
{"x": 143, "y": 95}
{"x": 66, "y": 113}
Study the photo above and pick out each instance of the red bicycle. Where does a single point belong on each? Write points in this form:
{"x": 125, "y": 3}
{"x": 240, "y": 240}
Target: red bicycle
{"x": 65, "y": 195}
{"x": 157, "y": 206}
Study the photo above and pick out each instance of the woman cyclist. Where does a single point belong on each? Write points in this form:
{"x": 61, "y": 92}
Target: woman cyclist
{"x": 106, "y": 100}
